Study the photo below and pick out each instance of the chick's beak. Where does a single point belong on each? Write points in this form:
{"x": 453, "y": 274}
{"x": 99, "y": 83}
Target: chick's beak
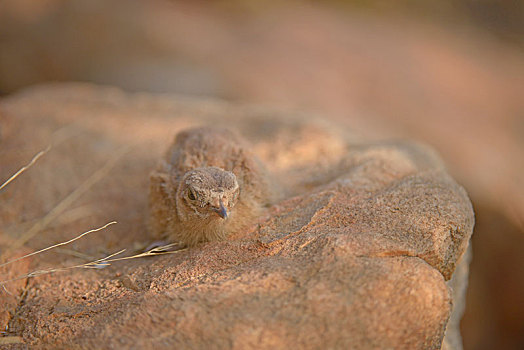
{"x": 221, "y": 210}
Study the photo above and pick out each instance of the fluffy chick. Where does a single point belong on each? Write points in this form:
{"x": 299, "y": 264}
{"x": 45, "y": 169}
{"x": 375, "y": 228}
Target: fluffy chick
{"x": 208, "y": 186}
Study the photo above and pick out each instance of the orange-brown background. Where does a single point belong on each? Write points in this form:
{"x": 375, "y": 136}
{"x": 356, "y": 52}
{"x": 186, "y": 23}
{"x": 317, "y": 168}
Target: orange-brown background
{"x": 449, "y": 73}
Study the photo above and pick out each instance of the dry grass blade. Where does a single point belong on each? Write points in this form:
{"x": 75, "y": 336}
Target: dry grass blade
{"x": 57, "y": 138}
{"x": 60, "y": 207}
{"x": 153, "y": 252}
{"x": 59, "y": 244}
{"x": 74, "y": 253}
{"x": 100, "y": 263}
{"x": 24, "y": 168}
{"x": 91, "y": 264}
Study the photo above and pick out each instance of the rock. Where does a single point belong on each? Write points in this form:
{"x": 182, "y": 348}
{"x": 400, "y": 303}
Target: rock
{"x": 12, "y": 292}
{"x": 360, "y": 252}
{"x": 458, "y": 285}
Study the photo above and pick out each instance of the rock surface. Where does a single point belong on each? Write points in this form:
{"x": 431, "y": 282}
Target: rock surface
{"x": 360, "y": 252}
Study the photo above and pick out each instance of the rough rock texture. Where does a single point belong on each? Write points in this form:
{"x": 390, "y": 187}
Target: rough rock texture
{"x": 360, "y": 254}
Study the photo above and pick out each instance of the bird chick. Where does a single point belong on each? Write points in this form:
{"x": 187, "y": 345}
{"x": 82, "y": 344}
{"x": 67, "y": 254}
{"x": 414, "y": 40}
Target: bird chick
{"x": 208, "y": 186}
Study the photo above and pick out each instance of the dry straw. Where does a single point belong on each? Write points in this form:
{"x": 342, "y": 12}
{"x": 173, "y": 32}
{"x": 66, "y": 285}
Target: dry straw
{"x": 102, "y": 262}
{"x": 67, "y": 201}
{"x": 59, "y": 244}
{"x": 24, "y": 168}
{"x": 59, "y": 209}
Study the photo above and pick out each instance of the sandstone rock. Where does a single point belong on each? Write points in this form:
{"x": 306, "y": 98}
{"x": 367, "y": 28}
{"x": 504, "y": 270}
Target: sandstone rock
{"x": 358, "y": 254}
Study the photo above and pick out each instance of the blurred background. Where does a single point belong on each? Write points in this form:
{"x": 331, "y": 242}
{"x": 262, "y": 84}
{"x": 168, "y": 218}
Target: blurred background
{"x": 449, "y": 73}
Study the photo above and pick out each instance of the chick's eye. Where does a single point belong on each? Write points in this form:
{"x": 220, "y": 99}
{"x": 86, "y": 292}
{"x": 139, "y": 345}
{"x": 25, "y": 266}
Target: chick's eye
{"x": 191, "y": 195}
